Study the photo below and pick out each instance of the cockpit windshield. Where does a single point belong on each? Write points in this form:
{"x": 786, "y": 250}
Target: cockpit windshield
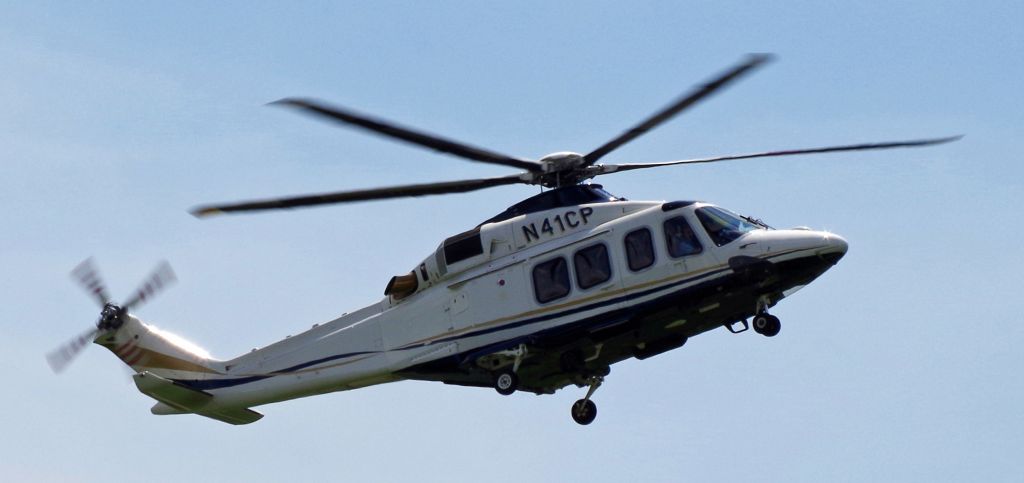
{"x": 723, "y": 226}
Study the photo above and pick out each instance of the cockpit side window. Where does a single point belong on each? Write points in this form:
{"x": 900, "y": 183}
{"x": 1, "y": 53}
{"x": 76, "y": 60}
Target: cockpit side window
{"x": 592, "y": 266}
{"x": 680, "y": 238}
{"x": 639, "y": 249}
{"x": 722, "y": 226}
{"x": 551, "y": 280}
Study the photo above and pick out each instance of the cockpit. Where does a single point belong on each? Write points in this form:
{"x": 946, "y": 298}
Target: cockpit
{"x": 724, "y": 226}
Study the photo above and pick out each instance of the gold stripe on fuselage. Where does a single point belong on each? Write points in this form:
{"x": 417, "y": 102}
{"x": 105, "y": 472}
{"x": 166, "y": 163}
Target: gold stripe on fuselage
{"x": 151, "y": 359}
{"x": 592, "y": 298}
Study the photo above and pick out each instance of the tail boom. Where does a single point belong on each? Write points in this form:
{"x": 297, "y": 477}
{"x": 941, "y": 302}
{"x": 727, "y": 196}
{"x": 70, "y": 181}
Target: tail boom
{"x": 146, "y": 348}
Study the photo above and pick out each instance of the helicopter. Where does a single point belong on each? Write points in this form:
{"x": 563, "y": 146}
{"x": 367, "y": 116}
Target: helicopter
{"x": 548, "y": 293}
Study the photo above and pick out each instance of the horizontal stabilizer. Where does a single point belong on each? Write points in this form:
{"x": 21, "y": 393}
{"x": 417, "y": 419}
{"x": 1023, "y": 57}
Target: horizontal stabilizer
{"x": 191, "y": 400}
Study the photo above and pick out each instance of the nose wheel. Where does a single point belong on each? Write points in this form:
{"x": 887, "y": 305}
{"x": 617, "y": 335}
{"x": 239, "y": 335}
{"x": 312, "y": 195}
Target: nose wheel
{"x": 767, "y": 325}
{"x": 764, "y": 323}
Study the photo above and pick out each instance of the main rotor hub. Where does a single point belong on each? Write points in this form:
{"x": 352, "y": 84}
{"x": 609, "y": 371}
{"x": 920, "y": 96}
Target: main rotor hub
{"x": 561, "y": 161}
{"x": 562, "y": 169}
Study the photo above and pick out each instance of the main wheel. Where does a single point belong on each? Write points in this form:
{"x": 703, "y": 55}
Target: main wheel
{"x": 584, "y": 411}
{"x": 506, "y": 382}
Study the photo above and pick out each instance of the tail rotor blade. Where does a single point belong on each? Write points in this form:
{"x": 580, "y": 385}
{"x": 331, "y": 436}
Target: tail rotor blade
{"x": 60, "y": 359}
{"x": 161, "y": 277}
{"x": 89, "y": 278}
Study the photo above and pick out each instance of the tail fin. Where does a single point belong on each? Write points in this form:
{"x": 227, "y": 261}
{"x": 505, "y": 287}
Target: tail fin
{"x": 177, "y": 399}
{"x": 160, "y": 359}
{"x": 146, "y": 348}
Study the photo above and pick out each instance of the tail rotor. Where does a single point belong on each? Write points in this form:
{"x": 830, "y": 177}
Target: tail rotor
{"x": 161, "y": 277}
{"x": 113, "y": 316}
{"x": 60, "y": 358}
{"x": 89, "y": 277}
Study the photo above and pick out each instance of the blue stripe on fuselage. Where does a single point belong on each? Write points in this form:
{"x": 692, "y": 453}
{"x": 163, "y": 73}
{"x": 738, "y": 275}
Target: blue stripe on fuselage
{"x": 222, "y": 383}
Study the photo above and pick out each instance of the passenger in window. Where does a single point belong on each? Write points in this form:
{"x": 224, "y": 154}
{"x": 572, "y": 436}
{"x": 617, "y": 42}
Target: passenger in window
{"x": 681, "y": 239}
{"x": 687, "y": 243}
{"x": 720, "y": 233}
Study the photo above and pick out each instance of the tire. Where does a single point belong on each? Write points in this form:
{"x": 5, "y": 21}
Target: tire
{"x": 761, "y": 323}
{"x": 773, "y": 328}
{"x": 506, "y": 382}
{"x": 584, "y": 411}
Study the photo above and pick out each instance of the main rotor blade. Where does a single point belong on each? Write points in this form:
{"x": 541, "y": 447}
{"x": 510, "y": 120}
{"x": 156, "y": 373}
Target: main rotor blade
{"x": 161, "y": 277}
{"x": 678, "y": 106}
{"x": 62, "y": 357}
{"x": 364, "y": 195}
{"x": 87, "y": 276}
{"x": 615, "y": 168}
{"x": 390, "y": 129}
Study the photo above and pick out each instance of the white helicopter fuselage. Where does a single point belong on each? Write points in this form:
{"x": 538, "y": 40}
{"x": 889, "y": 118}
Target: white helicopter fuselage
{"x": 550, "y": 292}
{"x": 619, "y": 275}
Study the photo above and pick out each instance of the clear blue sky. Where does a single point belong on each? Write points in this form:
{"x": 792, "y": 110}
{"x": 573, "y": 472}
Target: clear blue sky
{"x": 901, "y": 364}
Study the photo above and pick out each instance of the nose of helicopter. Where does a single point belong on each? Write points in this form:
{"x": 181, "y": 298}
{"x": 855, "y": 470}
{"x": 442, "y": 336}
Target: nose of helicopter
{"x": 835, "y": 248}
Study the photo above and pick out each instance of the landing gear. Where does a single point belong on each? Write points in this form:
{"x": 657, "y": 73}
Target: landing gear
{"x": 764, "y": 323}
{"x": 767, "y": 325}
{"x": 506, "y": 382}
{"x": 584, "y": 411}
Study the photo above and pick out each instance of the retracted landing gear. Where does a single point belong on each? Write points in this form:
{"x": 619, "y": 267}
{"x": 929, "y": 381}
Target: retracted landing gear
{"x": 584, "y": 411}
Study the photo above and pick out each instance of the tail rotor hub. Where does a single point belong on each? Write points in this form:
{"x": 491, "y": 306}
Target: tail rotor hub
{"x": 111, "y": 318}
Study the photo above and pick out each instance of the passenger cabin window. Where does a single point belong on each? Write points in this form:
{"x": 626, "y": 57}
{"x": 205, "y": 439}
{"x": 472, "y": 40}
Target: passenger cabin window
{"x": 592, "y": 266}
{"x": 551, "y": 280}
{"x": 722, "y": 226}
{"x": 639, "y": 249}
{"x": 680, "y": 238}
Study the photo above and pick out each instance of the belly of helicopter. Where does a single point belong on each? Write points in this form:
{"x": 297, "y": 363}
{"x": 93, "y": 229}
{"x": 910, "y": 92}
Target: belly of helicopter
{"x": 636, "y": 322}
